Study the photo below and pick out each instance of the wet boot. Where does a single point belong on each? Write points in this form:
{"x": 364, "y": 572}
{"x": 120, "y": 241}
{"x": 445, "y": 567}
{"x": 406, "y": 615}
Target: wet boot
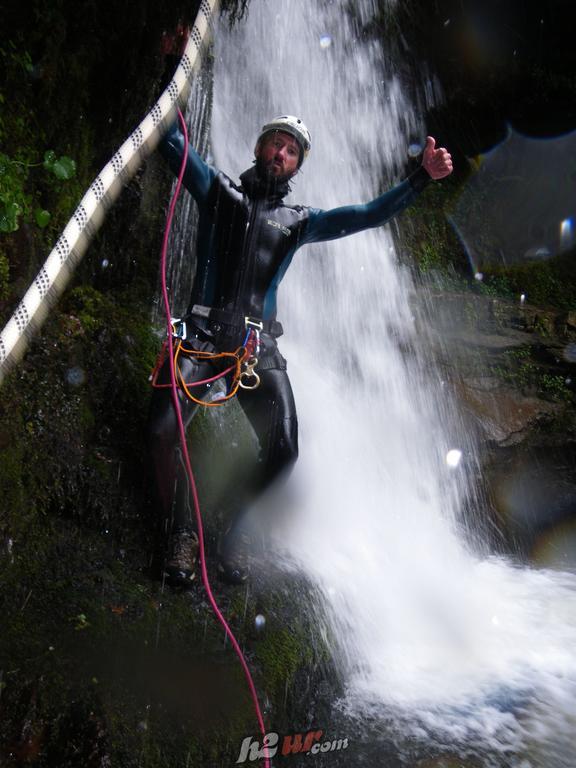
{"x": 235, "y": 555}
{"x": 181, "y": 558}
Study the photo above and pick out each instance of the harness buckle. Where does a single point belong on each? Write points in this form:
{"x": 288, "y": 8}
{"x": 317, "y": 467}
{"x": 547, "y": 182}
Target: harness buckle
{"x": 251, "y": 322}
{"x": 178, "y": 327}
{"x": 256, "y": 326}
{"x": 201, "y": 311}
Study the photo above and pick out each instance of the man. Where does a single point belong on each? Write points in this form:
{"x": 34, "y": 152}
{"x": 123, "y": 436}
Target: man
{"x": 246, "y": 240}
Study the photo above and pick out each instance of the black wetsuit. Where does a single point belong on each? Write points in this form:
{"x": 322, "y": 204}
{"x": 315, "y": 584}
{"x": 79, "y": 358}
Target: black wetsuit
{"x": 246, "y": 240}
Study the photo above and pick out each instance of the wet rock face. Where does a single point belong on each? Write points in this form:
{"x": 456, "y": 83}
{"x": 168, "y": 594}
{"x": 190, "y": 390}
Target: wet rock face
{"x": 511, "y": 366}
{"x": 513, "y": 377}
{"x": 533, "y": 494}
{"x": 504, "y": 416}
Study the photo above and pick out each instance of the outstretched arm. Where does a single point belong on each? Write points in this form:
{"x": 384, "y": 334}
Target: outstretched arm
{"x": 198, "y": 175}
{"x": 339, "y": 222}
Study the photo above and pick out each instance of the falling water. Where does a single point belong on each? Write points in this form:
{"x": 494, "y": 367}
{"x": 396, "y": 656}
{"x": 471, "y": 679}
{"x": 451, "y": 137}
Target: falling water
{"x": 450, "y": 649}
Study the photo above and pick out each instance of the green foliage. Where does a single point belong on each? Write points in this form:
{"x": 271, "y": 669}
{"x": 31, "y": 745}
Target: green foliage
{"x": 548, "y": 283}
{"x": 13, "y": 56}
{"x": 91, "y": 307}
{"x": 495, "y": 285}
{"x": 429, "y": 240}
{"x": 42, "y": 217}
{"x": 280, "y": 654}
{"x": 521, "y": 370}
{"x": 15, "y": 200}
{"x": 4, "y": 275}
{"x": 63, "y": 168}
{"x": 430, "y": 256}
{"x": 554, "y": 387}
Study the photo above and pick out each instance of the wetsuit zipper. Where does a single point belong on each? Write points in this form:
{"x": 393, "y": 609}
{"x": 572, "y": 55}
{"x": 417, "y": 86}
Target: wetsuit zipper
{"x": 247, "y": 273}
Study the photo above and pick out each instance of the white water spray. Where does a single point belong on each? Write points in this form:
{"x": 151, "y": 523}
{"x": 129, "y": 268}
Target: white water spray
{"x": 476, "y": 655}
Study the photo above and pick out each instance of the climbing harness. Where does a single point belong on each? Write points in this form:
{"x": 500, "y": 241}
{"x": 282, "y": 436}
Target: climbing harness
{"x": 52, "y": 278}
{"x": 234, "y": 321}
{"x": 246, "y": 355}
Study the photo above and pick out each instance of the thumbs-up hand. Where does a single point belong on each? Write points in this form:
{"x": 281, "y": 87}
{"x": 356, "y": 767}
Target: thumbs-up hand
{"x": 437, "y": 162}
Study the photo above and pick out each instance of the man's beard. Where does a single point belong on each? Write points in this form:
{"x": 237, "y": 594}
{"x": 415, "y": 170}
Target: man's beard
{"x": 265, "y": 173}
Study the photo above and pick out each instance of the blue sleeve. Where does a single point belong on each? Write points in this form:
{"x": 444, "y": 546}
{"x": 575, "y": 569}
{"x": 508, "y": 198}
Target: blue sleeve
{"x": 198, "y": 176}
{"x": 339, "y": 222}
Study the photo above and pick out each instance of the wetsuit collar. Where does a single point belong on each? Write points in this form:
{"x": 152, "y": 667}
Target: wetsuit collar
{"x": 257, "y": 186}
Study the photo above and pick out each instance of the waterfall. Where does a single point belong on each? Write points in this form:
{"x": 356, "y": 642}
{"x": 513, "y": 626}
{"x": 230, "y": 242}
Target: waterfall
{"x": 448, "y": 647}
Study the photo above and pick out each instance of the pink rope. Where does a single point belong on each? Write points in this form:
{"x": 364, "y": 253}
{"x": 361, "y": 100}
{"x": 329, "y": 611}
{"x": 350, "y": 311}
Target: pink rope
{"x": 182, "y": 432}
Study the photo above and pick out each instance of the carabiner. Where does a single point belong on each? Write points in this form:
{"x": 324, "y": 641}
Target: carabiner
{"x": 250, "y": 373}
{"x": 256, "y": 327}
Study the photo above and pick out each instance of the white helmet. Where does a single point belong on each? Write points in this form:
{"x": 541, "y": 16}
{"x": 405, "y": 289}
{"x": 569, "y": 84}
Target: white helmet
{"x": 292, "y": 125}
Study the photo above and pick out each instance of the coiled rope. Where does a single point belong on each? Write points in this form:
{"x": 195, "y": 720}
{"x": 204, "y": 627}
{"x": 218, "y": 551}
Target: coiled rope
{"x": 54, "y": 275}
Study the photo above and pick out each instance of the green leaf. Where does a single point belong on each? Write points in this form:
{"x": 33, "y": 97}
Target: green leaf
{"x": 49, "y": 159}
{"x": 42, "y": 217}
{"x": 9, "y": 217}
{"x": 27, "y": 62}
{"x": 64, "y": 168}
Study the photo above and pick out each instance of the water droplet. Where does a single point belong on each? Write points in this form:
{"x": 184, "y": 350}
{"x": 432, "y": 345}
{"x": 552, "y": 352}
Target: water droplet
{"x": 479, "y": 276}
{"x": 447, "y": 22}
{"x": 325, "y": 41}
{"x": 75, "y": 376}
{"x": 453, "y": 457}
{"x": 522, "y": 298}
{"x": 414, "y": 150}
{"x": 105, "y": 264}
{"x": 570, "y": 352}
{"x": 566, "y": 234}
{"x": 259, "y": 622}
